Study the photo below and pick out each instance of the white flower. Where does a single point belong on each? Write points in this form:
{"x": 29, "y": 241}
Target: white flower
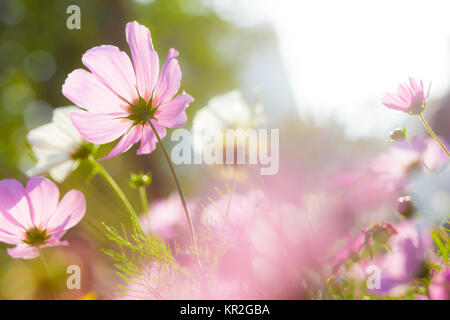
{"x": 57, "y": 146}
{"x": 227, "y": 111}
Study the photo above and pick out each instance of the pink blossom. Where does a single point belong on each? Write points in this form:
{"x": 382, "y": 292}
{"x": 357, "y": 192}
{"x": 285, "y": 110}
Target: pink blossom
{"x": 118, "y": 95}
{"x": 33, "y": 217}
{"x": 409, "y": 98}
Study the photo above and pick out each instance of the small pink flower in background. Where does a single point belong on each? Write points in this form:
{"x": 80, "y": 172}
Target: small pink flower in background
{"x": 409, "y": 98}
{"x": 117, "y": 97}
{"x": 439, "y": 288}
{"x": 33, "y": 217}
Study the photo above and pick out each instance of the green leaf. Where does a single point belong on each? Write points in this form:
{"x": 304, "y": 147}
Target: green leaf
{"x": 443, "y": 249}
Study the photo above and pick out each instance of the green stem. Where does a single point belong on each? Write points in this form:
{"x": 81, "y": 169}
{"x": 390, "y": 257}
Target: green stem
{"x": 113, "y": 184}
{"x": 180, "y": 191}
{"x": 432, "y": 133}
{"x": 44, "y": 263}
{"x": 144, "y": 201}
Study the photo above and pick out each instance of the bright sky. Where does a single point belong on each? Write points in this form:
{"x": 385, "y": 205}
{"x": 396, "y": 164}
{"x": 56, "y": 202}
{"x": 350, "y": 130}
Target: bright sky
{"x": 342, "y": 55}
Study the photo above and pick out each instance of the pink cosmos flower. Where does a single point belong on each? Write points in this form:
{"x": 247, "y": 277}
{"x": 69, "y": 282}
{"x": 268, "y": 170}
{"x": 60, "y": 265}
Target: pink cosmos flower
{"x": 409, "y": 98}
{"x": 118, "y": 95}
{"x": 33, "y": 217}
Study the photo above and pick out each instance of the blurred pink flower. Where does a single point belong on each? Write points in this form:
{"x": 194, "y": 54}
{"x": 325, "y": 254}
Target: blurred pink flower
{"x": 159, "y": 281}
{"x": 350, "y": 251}
{"x": 235, "y": 214}
{"x": 33, "y": 217}
{"x": 118, "y": 97}
{"x": 431, "y": 153}
{"x": 271, "y": 249}
{"x": 360, "y": 192}
{"x": 409, "y": 98}
{"x": 167, "y": 219}
{"x": 439, "y": 288}
{"x": 154, "y": 282}
{"x": 395, "y": 166}
{"x": 252, "y": 248}
{"x": 379, "y": 232}
{"x": 407, "y": 258}
{"x": 227, "y": 227}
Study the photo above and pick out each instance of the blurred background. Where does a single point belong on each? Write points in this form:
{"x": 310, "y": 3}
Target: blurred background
{"x": 318, "y": 68}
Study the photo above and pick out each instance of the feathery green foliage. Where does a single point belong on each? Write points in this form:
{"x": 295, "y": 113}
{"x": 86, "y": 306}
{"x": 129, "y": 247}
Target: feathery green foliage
{"x": 136, "y": 251}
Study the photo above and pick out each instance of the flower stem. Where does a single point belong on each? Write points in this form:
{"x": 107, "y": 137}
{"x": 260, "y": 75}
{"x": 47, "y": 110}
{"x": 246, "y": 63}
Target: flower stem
{"x": 180, "y": 191}
{"x": 432, "y": 133}
{"x": 44, "y": 263}
{"x": 144, "y": 201}
{"x": 113, "y": 184}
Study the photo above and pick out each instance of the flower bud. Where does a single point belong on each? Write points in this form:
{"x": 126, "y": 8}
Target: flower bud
{"x": 398, "y": 134}
{"x": 336, "y": 285}
{"x": 140, "y": 180}
{"x": 380, "y": 232}
{"x": 406, "y": 207}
